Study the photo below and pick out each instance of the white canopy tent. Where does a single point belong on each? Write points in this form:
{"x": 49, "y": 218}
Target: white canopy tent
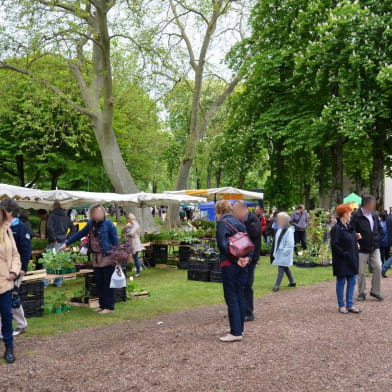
{"x": 34, "y": 198}
{"x": 227, "y": 193}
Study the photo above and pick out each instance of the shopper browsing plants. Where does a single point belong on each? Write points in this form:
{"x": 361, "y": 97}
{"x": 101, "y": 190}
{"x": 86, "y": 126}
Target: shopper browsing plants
{"x": 103, "y": 239}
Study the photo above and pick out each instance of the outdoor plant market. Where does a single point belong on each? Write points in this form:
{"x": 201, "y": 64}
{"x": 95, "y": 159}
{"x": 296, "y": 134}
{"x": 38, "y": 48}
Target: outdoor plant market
{"x": 195, "y": 196}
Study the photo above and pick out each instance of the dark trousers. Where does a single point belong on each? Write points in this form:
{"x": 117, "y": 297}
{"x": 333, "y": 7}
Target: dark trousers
{"x": 6, "y": 319}
{"x": 234, "y": 281}
{"x": 384, "y": 254}
{"x": 300, "y": 238}
{"x": 249, "y": 290}
{"x": 105, "y": 293}
{"x": 281, "y": 272}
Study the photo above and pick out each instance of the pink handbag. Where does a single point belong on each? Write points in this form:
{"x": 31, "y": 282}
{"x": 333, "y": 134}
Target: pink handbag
{"x": 240, "y": 244}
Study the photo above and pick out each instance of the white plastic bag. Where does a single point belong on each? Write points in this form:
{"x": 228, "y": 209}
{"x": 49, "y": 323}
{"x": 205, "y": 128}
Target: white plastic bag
{"x": 118, "y": 280}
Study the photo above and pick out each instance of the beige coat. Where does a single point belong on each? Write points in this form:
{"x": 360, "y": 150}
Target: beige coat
{"x": 9, "y": 260}
{"x": 132, "y": 236}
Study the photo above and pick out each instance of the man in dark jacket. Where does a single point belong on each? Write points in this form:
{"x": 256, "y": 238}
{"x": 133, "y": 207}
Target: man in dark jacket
{"x": 253, "y": 228}
{"x": 367, "y": 226}
{"x": 23, "y": 243}
{"x": 57, "y": 226}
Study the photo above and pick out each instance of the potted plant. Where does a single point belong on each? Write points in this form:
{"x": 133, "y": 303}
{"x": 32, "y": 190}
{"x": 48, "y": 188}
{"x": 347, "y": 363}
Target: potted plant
{"x": 58, "y": 263}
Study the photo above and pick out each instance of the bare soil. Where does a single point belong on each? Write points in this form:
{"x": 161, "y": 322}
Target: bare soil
{"x": 299, "y": 342}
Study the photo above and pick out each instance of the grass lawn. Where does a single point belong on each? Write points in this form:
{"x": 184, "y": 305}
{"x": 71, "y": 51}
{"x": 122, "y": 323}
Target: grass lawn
{"x": 170, "y": 292}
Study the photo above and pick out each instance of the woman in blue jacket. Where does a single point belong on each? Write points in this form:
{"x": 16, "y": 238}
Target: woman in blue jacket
{"x": 234, "y": 271}
{"x": 103, "y": 238}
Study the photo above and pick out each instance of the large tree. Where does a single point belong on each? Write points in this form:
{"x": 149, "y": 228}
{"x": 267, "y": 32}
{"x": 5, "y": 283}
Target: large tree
{"x": 82, "y": 32}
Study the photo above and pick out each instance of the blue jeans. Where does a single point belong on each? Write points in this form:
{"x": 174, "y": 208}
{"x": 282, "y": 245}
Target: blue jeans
{"x": 234, "y": 280}
{"x": 137, "y": 262}
{"x": 340, "y": 283}
{"x": 387, "y": 265}
{"x": 103, "y": 277}
{"x": 6, "y": 318}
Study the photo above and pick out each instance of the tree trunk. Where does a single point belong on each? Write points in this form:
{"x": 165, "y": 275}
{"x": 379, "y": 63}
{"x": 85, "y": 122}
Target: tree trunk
{"x": 118, "y": 172}
{"x": 307, "y": 189}
{"x": 337, "y": 173}
{"x": 218, "y": 177}
{"x": 54, "y": 178}
{"x": 241, "y": 180}
{"x": 377, "y": 174}
{"x": 209, "y": 176}
{"x": 102, "y": 118}
{"x": 20, "y": 170}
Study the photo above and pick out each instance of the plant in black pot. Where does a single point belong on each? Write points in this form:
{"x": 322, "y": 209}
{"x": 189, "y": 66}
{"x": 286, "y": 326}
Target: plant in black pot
{"x": 58, "y": 263}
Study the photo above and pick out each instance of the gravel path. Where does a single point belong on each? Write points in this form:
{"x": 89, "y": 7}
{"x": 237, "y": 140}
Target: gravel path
{"x": 298, "y": 343}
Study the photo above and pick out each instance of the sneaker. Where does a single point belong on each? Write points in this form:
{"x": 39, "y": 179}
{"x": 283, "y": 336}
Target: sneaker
{"x": 98, "y": 310}
{"x": 377, "y": 296}
{"x": 361, "y": 297}
{"x": 249, "y": 318}
{"x": 9, "y": 355}
{"x": 138, "y": 275}
{"x": 230, "y": 338}
{"x": 105, "y": 311}
{"x": 19, "y": 331}
{"x": 384, "y": 274}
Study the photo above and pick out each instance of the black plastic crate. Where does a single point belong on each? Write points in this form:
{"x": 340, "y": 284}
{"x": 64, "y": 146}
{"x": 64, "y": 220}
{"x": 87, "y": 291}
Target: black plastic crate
{"x": 201, "y": 276}
{"x": 216, "y": 276}
{"x": 33, "y": 307}
{"x": 183, "y": 265}
{"x": 159, "y": 254}
{"x": 120, "y": 295}
{"x": 185, "y": 252}
{"x": 148, "y": 258}
{"x": 92, "y": 291}
{"x": 215, "y": 266}
{"x": 31, "y": 290}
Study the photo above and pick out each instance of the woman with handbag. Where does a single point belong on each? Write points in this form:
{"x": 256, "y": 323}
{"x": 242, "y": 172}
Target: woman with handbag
{"x": 234, "y": 267}
{"x": 131, "y": 233}
{"x": 283, "y": 250}
{"x": 10, "y": 267}
{"x": 103, "y": 239}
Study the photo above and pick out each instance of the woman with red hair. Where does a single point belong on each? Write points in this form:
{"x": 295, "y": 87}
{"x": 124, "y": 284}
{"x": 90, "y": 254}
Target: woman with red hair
{"x": 344, "y": 258}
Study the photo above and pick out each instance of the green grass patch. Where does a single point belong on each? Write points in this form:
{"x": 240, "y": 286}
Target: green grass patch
{"x": 170, "y": 291}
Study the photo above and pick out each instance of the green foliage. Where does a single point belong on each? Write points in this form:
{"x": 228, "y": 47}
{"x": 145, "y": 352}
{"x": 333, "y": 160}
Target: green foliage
{"x": 58, "y": 262}
{"x": 56, "y": 302}
{"x": 318, "y": 77}
{"x": 39, "y": 244}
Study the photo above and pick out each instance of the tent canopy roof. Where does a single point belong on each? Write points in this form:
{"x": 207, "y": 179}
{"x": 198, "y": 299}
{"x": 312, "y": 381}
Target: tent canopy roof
{"x": 227, "y": 193}
{"x": 34, "y": 198}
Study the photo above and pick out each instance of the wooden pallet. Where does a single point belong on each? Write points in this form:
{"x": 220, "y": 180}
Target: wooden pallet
{"x": 93, "y": 303}
{"x": 138, "y": 295}
{"x": 52, "y": 277}
{"x": 84, "y": 272}
{"x": 34, "y": 275}
{"x": 164, "y": 266}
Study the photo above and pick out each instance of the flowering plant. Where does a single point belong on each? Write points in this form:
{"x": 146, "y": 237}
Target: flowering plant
{"x": 121, "y": 253}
